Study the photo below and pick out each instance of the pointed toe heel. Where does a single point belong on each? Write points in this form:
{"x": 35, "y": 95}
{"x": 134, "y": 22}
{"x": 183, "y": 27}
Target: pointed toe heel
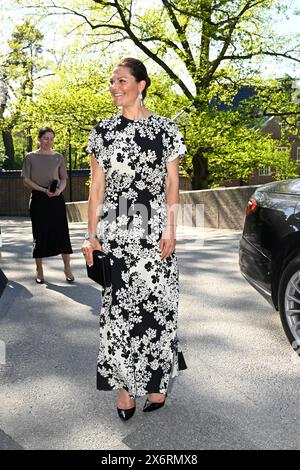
{"x": 69, "y": 278}
{"x": 39, "y": 279}
{"x": 152, "y": 406}
{"x": 125, "y": 415}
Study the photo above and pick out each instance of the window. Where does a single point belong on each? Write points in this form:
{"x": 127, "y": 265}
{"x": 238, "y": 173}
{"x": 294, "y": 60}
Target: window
{"x": 298, "y": 156}
{"x": 264, "y": 171}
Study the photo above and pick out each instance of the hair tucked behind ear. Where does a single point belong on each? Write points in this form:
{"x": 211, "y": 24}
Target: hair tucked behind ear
{"x": 44, "y": 130}
{"x": 138, "y": 70}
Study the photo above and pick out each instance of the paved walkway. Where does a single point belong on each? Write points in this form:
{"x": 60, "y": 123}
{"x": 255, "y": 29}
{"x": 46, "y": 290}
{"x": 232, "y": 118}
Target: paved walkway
{"x": 241, "y": 389}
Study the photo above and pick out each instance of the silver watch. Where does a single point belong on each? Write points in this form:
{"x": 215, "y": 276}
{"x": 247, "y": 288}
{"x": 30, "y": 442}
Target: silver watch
{"x": 87, "y": 236}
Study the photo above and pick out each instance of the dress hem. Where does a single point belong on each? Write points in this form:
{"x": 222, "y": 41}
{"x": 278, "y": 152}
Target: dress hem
{"x": 66, "y": 252}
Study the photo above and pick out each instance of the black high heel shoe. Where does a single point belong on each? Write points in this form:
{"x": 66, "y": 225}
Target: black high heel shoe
{"x": 125, "y": 415}
{"x": 69, "y": 278}
{"x": 153, "y": 406}
{"x": 39, "y": 280}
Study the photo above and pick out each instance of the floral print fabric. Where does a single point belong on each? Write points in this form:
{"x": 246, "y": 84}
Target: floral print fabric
{"x": 139, "y": 350}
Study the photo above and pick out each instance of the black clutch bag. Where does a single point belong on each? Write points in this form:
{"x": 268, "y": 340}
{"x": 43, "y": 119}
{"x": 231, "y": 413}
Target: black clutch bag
{"x": 53, "y": 186}
{"x": 100, "y": 271}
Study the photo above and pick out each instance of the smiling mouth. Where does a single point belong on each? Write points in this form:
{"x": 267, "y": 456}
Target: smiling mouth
{"x": 118, "y": 94}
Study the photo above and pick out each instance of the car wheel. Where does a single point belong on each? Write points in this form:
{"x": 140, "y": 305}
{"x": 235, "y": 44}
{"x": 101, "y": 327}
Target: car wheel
{"x": 289, "y": 302}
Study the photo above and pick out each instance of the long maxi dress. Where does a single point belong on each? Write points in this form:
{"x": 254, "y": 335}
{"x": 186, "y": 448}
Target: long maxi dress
{"x": 139, "y": 349}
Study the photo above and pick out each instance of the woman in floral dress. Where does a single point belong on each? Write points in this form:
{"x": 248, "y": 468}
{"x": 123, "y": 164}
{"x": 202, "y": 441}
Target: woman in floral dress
{"x": 135, "y": 190}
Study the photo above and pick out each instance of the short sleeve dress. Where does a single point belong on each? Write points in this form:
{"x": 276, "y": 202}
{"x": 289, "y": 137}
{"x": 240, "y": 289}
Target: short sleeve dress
{"x": 139, "y": 348}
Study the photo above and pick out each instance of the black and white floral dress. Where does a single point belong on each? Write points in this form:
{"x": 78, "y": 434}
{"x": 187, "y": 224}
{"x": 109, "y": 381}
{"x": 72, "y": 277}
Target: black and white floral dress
{"x": 139, "y": 349}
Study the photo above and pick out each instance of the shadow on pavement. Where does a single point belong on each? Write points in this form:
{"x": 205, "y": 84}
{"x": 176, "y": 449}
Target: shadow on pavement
{"x": 81, "y": 294}
{"x": 7, "y": 443}
{"x": 12, "y": 292}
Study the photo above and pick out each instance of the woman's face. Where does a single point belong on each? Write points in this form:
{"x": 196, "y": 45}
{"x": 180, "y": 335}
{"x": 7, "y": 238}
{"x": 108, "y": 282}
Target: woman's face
{"x": 124, "y": 87}
{"x": 46, "y": 141}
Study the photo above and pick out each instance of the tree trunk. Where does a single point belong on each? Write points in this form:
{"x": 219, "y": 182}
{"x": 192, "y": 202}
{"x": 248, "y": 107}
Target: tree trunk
{"x": 9, "y": 163}
{"x": 29, "y": 143}
{"x": 200, "y": 173}
{"x": 75, "y": 159}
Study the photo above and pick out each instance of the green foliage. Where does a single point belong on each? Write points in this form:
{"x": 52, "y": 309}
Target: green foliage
{"x": 76, "y": 97}
{"x": 20, "y": 68}
{"x": 162, "y": 97}
{"x": 25, "y": 47}
{"x": 71, "y": 101}
{"x": 204, "y": 49}
{"x": 233, "y": 150}
{"x": 23, "y": 62}
{"x": 198, "y": 41}
{"x": 2, "y": 158}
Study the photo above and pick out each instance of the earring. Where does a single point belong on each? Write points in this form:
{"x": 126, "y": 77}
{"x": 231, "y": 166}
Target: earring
{"x": 141, "y": 96}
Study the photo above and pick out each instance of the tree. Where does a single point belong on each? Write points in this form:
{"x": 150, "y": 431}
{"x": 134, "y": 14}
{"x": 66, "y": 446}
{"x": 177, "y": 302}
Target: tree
{"x": 71, "y": 102}
{"x": 200, "y": 37}
{"x": 77, "y": 96}
{"x": 7, "y": 158}
{"x": 21, "y": 67}
{"x": 234, "y": 149}
{"x": 210, "y": 44}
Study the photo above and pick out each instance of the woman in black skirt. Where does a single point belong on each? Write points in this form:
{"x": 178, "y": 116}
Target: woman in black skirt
{"x": 47, "y": 205}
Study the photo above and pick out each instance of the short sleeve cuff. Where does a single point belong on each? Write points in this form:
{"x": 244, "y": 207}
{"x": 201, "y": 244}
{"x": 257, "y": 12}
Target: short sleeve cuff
{"x": 91, "y": 142}
{"x": 178, "y": 147}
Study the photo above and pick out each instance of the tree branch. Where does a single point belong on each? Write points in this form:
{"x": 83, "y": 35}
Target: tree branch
{"x": 227, "y": 41}
{"x": 168, "y": 42}
{"x": 150, "y": 54}
{"x": 131, "y": 35}
{"x": 81, "y": 15}
{"x": 255, "y": 54}
{"x": 290, "y": 113}
{"x": 189, "y": 59}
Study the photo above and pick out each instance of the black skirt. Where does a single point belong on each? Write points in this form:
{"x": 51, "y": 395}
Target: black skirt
{"x": 49, "y": 225}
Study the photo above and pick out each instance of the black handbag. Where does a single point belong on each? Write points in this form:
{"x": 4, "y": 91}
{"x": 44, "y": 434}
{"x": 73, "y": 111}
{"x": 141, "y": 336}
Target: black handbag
{"x": 100, "y": 271}
{"x": 53, "y": 186}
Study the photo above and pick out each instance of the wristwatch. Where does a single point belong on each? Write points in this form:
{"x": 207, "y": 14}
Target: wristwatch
{"x": 87, "y": 236}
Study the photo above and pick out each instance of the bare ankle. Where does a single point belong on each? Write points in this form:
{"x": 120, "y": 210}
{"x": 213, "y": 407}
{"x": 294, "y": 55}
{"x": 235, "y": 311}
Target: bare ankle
{"x": 156, "y": 397}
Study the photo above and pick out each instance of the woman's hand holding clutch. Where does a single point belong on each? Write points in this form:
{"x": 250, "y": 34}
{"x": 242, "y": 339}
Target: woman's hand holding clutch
{"x": 56, "y": 193}
{"x": 88, "y": 247}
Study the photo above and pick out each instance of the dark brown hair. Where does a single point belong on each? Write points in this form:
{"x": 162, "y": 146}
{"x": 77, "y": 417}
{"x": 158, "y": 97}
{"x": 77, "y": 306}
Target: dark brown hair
{"x": 138, "y": 70}
{"x": 43, "y": 131}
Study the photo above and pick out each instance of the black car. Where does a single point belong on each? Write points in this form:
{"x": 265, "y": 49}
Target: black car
{"x": 270, "y": 250}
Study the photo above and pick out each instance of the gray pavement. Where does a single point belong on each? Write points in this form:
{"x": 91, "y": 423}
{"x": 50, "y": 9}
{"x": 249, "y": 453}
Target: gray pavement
{"x": 241, "y": 390}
